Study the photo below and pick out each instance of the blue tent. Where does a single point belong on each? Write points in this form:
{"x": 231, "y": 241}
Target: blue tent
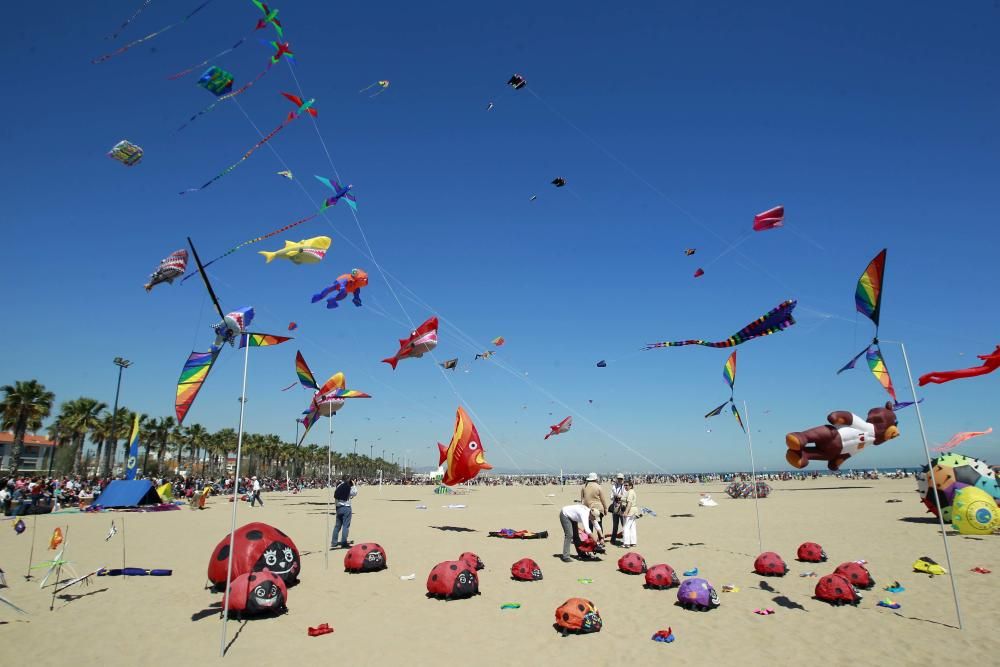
{"x": 122, "y": 493}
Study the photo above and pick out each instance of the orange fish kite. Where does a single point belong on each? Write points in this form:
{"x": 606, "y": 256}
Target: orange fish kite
{"x": 465, "y": 456}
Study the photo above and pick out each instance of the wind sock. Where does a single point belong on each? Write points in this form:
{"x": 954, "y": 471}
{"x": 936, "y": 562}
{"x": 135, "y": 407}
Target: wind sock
{"x": 133, "y": 450}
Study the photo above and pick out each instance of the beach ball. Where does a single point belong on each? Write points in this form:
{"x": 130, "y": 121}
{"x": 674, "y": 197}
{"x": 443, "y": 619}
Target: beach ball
{"x": 974, "y": 512}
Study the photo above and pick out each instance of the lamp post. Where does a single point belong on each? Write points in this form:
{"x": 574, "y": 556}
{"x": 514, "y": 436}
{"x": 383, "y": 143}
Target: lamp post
{"x": 122, "y": 364}
{"x": 355, "y": 446}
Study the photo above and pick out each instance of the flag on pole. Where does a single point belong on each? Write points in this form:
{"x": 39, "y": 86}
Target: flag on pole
{"x": 261, "y": 340}
{"x": 133, "y": 450}
{"x": 57, "y": 539}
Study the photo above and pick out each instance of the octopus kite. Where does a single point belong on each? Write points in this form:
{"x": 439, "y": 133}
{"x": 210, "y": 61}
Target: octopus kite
{"x": 347, "y": 283}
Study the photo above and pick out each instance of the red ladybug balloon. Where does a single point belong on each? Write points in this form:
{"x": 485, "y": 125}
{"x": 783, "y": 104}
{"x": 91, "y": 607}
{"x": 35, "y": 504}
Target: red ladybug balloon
{"x": 526, "y": 570}
{"x": 254, "y": 593}
{"x": 452, "y": 579}
{"x": 367, "y": 557}
{"x": 256, "y": 546}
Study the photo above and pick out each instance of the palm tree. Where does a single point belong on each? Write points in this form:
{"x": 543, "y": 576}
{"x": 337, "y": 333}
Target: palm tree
{"x": 123, "y": 428}
{"x": 160, "y": 431}
{"x": 195, "y": 437}
{"x": 61, "y": 435}
{"x": 224, "y": 443}
{"x": 80, "y": 416}
{"x": 24, "y": 406}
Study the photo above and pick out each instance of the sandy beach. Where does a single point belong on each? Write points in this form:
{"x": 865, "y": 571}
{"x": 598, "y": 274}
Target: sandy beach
{"x": 379, "y": 618}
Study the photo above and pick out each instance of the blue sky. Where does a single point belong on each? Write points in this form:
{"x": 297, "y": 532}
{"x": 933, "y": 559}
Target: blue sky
{"x": 673, "y": 123}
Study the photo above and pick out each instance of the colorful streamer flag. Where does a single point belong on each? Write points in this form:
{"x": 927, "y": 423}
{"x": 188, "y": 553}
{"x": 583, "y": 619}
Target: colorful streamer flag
{"x": 777, "y": 319}
{"x": 261, "y": 340}
{"x": 729, "y": 370}
{"x": 736, "y": 414}
{"x": 729, "y": 375}
{"x": 192, "y": 377}
{"x": 959, "y": 438}
{"x": 133, "y": 450}
{"x": 108, "y": 56}
{"x": 57, "y": 539}
{"x": 306, "y": 376}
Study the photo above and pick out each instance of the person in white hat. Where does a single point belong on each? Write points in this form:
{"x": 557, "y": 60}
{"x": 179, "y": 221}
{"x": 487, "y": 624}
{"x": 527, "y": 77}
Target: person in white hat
{"x": 592, "y": 495}
{"x": 255, "y": 492}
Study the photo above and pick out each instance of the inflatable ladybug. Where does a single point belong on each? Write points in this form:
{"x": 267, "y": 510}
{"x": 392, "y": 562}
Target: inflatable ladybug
{"x": 632, "y": 563}
{"x": 452, "y": 580}
{"x": 837, "y": 590}
{"x": 256, "y": 593}
{"x": 367, "y": 557}
{"x": 472, "y": 560}
{"x": 256, "y": 546}
{"x": 810, "y": 552}
{"x": 857, "y": 574}
{"x": 770, "y": 564}
{"x": 661, "y": 577}
{"x": 526, "y": 570}
{"x": 697, "y": 594}
{"x": 578, "y": 616}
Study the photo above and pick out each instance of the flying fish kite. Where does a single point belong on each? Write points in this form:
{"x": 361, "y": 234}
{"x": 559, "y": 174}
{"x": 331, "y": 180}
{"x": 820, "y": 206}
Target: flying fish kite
{"x": 170, "y": 267}
{"x": 306, "y": 251}
{"x": 464, "y": 454}
{"x": 777, "y": 319}
{"x": 339, "y": 192}
{"x": 420, "y": 341}
{"x": 562, "y": 427}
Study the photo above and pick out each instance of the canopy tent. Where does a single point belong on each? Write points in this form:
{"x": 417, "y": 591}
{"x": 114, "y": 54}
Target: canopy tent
{"x": 122, "y": 493}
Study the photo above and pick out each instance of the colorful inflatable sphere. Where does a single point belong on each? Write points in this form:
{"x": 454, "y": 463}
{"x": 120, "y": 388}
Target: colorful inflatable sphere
{"x": 697, "y": 594}
{"x": 661, "y": 577}
{"x": 632, "y": 563}
{"x": 578, "y": 616}
{"x": 951, "y": 473}
{"x": 367, "y": 557}
{"x": 745, "y": 490}
{"x": 256, "y": 546}
{"x": 837, "y": 590}
{"x": 254, "y": 593}
{"x": 526, "y": 570}
{"x": 472, "y": 560}
{"x": 974, "y": 512}
{"x": 452, "y": 580}
{"x": 770, "y": 564}
{"x": 857, "y": 574}
{"x": 810, "y": 552}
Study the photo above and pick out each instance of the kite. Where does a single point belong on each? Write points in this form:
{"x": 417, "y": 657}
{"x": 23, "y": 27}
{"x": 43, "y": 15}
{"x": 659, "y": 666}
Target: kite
{"x": 729, "y": 375}
{"x": 485, "y": 355}
{"x": 170, "y": 267}
{"x": 562, "y": 427}
{"x": 129, "y": 20}
{"x": 345, "y": 284}
{"x": 187, "y": 71}
{"x": 498, "y": 341}
{"x": 602, "y": 364}
{"x": 450, "y": 364}
{"x": 270, "y": 16}
{"x": 216, "y": 81}
{"x": 464, "y": 455}
{"x": 769, "y": 219}
{"x": 559, "y": 182}
{"x": 845, "y": 435}
{"x": 306, "y": 251}
{"x": 689, "y": 251}
{"x": 292, "y": 326}
{"x": 990, "y": 363}
{"x": 199, "y": 364}
{"x": 517, "y": 82}
{"x": 490, "y": 107}
{"x": 57, "y": 539}
{"x": 383, "y": 86}
{"x": 423, "y": 339}
{"x": 302, "y": 107}
{"x": 328, "y": 399}
{"x": 287, "y": 174}
{"x": 959, "y": 438}
{"x": 339, "y": 193}
{"x": 699, "y": 273}
{"x": 108, "y": 56}
{"x": 868, "y": 302}
{"x": 126, "y": 152}
{"x": 777, "y": 319}
{"x": 533, "y": 198}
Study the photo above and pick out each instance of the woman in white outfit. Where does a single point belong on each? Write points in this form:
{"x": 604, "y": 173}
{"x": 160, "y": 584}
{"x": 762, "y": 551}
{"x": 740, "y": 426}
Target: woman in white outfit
{"x": 631, "y": 514}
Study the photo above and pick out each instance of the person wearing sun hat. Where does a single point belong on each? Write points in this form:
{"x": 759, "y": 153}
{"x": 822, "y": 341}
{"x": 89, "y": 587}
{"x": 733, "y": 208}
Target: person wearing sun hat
{"x": 592, "y": 495}
{"x": 617, "y": 505}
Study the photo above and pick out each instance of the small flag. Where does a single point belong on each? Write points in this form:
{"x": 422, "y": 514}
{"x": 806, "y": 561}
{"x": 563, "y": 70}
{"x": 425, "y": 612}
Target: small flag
{"x": 57, "y": 539}
{"x": 262, "y": 340}
{"x": 19, "y": 527}
{"x": 133, "y": 450}
{"x": 112, "y": 532}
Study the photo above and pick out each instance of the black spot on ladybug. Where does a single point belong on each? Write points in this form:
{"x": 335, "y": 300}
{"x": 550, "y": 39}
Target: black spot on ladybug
{"x": 253, "y": 577}
{"x": 434, "y": 577}
{"x": 581, "y": 607}
{"x": 254, "y": 535}
{"x": 453, "y": 566}
{"x": 566, "y": 616}
{"x": 839, "y": 591}
{"x": 223, "y": 553}
{"x": 364, "y": 547}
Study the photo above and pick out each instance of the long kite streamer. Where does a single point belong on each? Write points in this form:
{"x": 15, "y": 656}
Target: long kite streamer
{"x": 959, "y": 438}
{"x": 135, "y": 15}
{"x": 771, "y": 322}
{"x": 108, "y": 56}
{"x": 187, "y": 71}
{"x": 192, "y": 377}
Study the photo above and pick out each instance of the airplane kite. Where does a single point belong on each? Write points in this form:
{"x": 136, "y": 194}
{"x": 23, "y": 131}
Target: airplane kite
{"x": 306, "y": 251}
{"x": 170, "y": 267}
{"x": 339, "y": 193}
{"x": 769, "y": 219}
{"x": 270, "y": 16}
{"x": 777, "y": 319}
{"x": 990, "y": 363}
{"x": 562, "y": 427}
{"x": 328, "y": 399}
{"x": 347, "y": 283}
{"x": 420, "y": 341}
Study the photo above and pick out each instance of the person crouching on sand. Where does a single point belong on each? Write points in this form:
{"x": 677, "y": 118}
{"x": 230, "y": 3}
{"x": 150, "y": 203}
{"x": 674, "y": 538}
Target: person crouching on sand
{"x": 573, "y": 518}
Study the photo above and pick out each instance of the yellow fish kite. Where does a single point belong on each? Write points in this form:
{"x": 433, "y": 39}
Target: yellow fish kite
{"x": 307, "y": 251}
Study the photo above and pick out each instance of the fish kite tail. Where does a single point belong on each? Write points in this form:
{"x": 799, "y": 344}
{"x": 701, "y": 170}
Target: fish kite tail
{"x": 267, "y": 255}
{"x": 392, "y": 361}
{"x": 443, "y": 453}
{"x": 148, "y": 287}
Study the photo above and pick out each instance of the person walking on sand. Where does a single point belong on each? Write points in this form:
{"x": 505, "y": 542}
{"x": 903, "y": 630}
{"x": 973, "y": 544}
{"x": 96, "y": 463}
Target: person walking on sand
{"x": 617, "y": 506}
{"x": 592, "y": 495}
{"x": 573, "y": 518}
{"x": 630, "y": 514}
{"x": 255, "y": 491}
{"x": 343, "y": 494}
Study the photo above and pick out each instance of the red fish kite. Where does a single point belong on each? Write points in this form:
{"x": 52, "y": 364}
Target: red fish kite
{"x": 769, "y": 219}
{"x": 424, "y": 339}
{"x": 990, "y": 363}
{"x": 561, "y": 427}
{"x": 465, "y": 456}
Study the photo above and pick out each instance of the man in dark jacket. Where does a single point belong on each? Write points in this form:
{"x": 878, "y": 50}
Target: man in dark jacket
{"x": 343, "y": 494}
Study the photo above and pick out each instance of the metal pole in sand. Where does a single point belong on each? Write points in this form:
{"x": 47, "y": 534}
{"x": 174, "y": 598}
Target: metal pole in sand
{"x": 329, "y": 490}
{"x": 930, "y": 473}
{"x": 31, "y": 554}
{"x": 236, "y": 501}
{"x": 753, "y": 478}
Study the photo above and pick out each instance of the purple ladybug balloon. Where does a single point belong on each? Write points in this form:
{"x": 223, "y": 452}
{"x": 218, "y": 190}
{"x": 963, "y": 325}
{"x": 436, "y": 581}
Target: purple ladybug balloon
{"x": 697, "y": 594}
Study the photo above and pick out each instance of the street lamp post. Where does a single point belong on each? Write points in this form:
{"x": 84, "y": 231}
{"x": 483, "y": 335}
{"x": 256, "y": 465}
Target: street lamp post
{"x": 355, "y": 446}
{"x": 122, "y": 364}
